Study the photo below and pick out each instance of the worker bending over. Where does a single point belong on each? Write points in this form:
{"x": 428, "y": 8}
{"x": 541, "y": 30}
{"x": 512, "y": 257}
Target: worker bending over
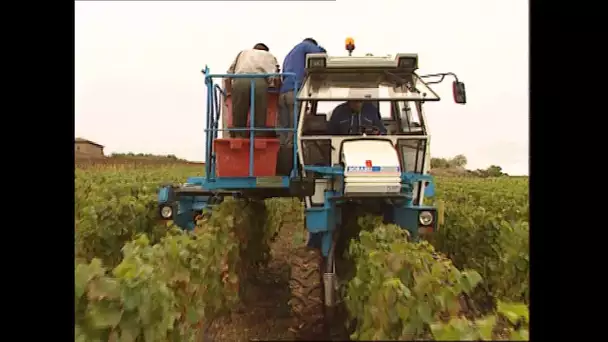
{"x": 252, "y": 61}
{"x": 355, "y": 118}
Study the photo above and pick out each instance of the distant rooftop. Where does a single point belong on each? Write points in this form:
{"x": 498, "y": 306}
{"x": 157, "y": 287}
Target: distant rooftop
{"x": 81, "y": 140}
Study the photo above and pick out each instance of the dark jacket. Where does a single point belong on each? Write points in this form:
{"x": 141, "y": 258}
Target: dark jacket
{"x": 344, "y": 122}
{"x": 295, "y": 62}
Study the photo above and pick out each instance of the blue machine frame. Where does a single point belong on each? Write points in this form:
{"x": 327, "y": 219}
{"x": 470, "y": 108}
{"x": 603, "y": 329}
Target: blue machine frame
{"x": 198, "y": 194}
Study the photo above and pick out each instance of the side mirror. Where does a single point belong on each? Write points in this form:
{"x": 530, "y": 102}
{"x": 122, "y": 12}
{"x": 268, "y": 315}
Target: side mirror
{"x": 460, "y": 95}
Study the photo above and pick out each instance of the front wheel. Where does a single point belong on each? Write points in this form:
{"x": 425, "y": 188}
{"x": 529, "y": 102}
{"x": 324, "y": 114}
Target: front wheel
{"x": 306, "y": 287}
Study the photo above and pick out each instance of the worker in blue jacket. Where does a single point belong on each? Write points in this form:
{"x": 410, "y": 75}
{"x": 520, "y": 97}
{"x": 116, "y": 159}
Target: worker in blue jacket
{"x": 295, "y": 62}
{"x": 355, "y": 118}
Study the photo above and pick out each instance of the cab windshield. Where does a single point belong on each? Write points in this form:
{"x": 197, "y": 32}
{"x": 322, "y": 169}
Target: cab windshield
{"x": 398, "y": 116}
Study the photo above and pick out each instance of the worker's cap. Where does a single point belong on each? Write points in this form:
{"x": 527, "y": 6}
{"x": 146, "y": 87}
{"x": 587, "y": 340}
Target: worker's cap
{"x": 261, "y": 46}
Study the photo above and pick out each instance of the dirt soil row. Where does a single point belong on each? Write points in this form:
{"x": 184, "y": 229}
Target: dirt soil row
{"x": 264, "y": 313}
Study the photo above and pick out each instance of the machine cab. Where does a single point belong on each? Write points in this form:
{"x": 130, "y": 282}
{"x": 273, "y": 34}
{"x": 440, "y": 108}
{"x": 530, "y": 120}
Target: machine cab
{"x": 372, "y": 164}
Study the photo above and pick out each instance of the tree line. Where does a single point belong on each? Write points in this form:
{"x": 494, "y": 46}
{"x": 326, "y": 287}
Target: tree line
{"x": 145, "y": 155}
{"x": 459, "y": 162}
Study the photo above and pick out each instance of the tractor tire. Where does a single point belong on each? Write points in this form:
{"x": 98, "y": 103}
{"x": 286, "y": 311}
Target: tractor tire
{"x": 306, "y": 300}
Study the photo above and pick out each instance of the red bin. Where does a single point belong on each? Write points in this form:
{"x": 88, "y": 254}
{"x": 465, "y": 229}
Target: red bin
{"x": 271, "y": 114}
{"x": 232, "y": 157}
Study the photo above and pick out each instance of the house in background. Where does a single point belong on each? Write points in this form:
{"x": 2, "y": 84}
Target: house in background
{"x": 87, "y": 147}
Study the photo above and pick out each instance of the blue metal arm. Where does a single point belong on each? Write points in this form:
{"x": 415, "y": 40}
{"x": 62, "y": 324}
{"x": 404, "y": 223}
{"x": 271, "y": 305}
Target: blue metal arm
{"x": 325, "y": 170}
{"x": 412, "y": 177}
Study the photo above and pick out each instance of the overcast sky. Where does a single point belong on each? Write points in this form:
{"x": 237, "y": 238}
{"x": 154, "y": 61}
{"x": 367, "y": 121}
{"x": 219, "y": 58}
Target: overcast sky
{"x": 139, "y": 87}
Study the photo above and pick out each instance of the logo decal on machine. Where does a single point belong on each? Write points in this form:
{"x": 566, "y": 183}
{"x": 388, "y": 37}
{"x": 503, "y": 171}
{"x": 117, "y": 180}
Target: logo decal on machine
{"x": 366, "y": 168}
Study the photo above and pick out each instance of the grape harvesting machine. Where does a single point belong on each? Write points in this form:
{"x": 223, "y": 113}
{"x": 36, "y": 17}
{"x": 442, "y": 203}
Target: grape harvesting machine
{"x": 338, "y": 177}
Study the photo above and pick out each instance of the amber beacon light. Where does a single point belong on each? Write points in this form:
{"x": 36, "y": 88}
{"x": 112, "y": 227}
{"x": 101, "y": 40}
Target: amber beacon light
{"x": 350, "y": 45}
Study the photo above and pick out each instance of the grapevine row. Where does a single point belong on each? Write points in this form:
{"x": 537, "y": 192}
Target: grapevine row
{"x": 120, "y": 249}
{"x": 137, "y": 279}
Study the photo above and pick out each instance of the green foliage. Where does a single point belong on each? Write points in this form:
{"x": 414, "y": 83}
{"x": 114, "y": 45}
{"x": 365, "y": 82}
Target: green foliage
{"x": 249, "y": 221}
{"x": 509, "y": 323}
{"x": 165, "y": 284}
{"x": 486, "y": 229}
{"x": 444, "y": 163}
{"x": 400, "y": 288}
{"x": 491, "y": 171}
{"x": 456, "y": 165}
{"x": 283, "y": 212}
{"x": 112, "y": 206}
{"x": 403, "y": 289}
{"x": 164, "y": 287}
{"x": 165, "y": 291}
{"x": 146, "y": 155}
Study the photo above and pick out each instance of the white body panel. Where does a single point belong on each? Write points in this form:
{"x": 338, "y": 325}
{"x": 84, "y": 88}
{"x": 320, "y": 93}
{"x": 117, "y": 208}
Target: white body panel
{"x": 371, "y": 166}
{"x": 367, "y": 183}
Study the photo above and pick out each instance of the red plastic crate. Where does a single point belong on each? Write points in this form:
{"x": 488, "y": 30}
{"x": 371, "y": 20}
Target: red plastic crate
{"x": 232, "y": 157}
{"x": 271, "y": 114}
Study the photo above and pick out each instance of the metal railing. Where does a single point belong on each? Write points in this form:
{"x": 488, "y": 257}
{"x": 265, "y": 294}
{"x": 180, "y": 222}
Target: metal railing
{"x": 214, "y": 109}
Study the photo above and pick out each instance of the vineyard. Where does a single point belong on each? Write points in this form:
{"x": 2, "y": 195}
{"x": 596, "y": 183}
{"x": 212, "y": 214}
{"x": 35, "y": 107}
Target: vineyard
{"x": 139, "y": 280}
